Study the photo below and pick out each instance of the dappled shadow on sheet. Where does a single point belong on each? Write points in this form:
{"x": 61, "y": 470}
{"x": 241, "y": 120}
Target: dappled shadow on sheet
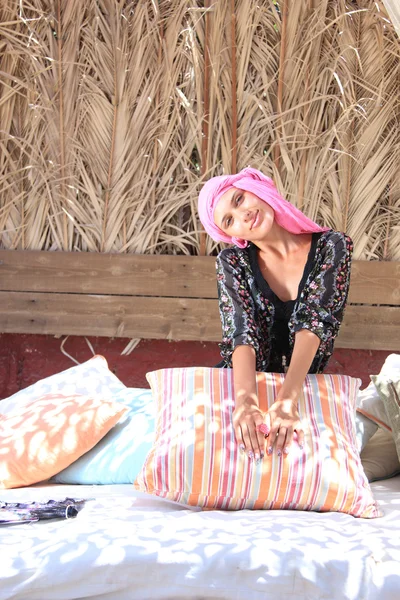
{"x": 141, "y": 547}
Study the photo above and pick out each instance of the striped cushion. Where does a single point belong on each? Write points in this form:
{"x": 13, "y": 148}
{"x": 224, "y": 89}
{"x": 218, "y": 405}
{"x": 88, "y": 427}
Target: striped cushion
{"x": 195, "y": 459}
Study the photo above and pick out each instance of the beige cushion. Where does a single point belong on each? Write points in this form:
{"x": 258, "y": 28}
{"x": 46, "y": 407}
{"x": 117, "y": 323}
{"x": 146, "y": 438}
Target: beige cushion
{"x": 379, "y": 457}
{"x": 389, "y": 390}
{"x": 370, "y": 402}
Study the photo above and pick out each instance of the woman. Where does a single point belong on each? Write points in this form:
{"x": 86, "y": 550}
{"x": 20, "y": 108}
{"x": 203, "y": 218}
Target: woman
{"x": 282, "y": 291}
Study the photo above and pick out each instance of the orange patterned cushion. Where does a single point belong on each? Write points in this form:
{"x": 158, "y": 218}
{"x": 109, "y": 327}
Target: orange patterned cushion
{"x": 195, "y": 459}
{"x": 48, "y": 434}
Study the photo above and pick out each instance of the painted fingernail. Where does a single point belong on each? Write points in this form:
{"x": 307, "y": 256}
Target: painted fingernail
{"x": 257, "y": 457}
{"x": 301, "y": 446}
{"x": 286, "y": 450}
{"x": 269, "y": 450}
{"x": 262, "y": 454}
{"x": 279, "y": 452}
{"x": 241, "y": 448}
{"x": 251, "y": 455}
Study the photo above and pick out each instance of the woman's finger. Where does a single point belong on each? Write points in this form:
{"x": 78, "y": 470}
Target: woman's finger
{"x": 300, "y": 437}
{"x": 239, "y": 438}
{"x": 288, "y": 442}
{"x": 247, "y": 440}
{"x": 280, "y": 441}
{"x": 267, "y": 422}
{"x": 271, "y": 440}
{"x": 260, "y": 429}
{"x": 257, "y": 441}
{"x": 263, "y": 429}
{"x": 255, "y": 454}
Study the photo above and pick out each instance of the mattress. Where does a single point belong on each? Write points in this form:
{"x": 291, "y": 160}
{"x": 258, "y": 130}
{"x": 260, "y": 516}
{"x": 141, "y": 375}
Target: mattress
{"x": 125, "y": 546}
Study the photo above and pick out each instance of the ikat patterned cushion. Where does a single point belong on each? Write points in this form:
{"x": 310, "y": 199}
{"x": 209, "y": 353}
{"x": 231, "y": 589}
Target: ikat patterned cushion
{"x": 48, "y": 434}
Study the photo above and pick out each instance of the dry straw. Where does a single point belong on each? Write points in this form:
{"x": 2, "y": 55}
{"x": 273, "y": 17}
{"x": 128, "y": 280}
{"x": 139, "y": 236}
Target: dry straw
{"x": 112, "y": 112}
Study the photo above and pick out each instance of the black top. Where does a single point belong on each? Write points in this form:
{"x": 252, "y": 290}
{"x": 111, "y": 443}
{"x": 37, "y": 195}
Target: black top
{"x": 251, "y": 314}
{"x": 283, "y": 310}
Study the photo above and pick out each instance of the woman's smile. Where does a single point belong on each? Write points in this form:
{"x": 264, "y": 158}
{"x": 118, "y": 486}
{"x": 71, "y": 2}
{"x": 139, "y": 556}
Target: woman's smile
{"x": 256, "y": 220}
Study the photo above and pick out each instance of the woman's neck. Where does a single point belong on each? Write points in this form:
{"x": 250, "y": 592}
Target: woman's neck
{"x": 281, "y": 243}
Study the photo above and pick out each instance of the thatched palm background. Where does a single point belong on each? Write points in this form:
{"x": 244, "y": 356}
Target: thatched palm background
{"x": 113, "y": 111}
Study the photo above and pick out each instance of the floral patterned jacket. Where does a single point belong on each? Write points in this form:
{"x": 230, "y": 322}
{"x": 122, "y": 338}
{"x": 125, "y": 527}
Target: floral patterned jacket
{"x": 247, "y": 315}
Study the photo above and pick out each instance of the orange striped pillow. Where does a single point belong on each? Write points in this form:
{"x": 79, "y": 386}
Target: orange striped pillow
{"x": 195, "y": 459}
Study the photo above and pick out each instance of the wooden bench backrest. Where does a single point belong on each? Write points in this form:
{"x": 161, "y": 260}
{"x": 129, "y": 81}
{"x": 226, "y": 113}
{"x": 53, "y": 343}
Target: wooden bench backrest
{"x": 159, "y": 296}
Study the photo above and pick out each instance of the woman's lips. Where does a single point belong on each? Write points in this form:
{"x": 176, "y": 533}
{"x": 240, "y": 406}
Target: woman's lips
{"x": 256, "y": 219}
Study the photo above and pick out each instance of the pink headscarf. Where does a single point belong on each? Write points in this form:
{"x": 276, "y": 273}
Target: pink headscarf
{"x": 250, "y": 180}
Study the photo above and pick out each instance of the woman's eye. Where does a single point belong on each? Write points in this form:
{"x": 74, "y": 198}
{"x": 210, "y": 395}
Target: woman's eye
{"x": 238, "y": 199}
{"x": 228, "y": 222}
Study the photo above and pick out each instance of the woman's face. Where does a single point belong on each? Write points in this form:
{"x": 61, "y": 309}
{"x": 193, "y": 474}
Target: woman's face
{"x": 243, "y": 215}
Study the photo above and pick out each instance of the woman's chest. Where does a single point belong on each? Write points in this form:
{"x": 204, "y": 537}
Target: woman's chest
{"x": 284, "y": 276}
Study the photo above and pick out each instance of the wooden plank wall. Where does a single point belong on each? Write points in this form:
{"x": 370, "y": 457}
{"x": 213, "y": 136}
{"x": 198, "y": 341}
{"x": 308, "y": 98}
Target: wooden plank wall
{"x": 170, "y": 297}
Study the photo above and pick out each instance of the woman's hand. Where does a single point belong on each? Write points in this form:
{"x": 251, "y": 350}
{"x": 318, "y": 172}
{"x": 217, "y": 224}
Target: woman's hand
{"x": 283, "y": 421}
{"x": 247, "y": 417}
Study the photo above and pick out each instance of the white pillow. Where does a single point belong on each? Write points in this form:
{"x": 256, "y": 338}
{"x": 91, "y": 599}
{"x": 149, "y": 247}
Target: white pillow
{"x": 369, "y": 403}
{"x": 91, "y": 378}
{"x": 365, "y": 429}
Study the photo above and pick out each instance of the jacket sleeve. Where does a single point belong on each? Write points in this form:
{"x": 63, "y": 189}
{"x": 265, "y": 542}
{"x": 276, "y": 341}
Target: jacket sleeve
{"x": 236, "y": 306}
{"x": 323, "y": 299}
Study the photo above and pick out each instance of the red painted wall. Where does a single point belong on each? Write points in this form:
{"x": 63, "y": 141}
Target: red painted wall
{"x": 24, "y": 359}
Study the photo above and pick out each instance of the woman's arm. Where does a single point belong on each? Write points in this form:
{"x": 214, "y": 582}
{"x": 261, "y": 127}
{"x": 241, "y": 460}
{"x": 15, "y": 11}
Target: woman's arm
{"x": 239, "y": 347}
{"x": 247, "y": 416}
{"x": 315, "y": 323}
{"x": 236, "y": 306}
{"x": 323, "y": 299}
{"x": 283, "y": 417}
{"x": 305, "y": 347}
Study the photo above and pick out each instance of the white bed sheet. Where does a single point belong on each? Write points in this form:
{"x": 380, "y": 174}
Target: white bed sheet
{"x": 127, "y": 546}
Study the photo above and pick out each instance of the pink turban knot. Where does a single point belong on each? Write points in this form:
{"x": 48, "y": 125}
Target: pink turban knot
{"x": 250, "y": 180}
